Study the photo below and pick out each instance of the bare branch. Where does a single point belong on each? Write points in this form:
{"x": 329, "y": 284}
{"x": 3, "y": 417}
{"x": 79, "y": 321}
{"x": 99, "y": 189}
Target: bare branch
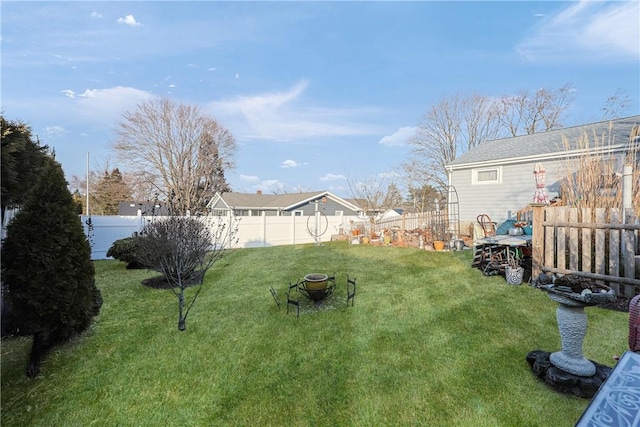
{"x": 178, "y": 150}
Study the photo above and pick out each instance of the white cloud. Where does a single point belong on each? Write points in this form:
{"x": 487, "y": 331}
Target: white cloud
{"x": 271, "y": 186}
{"x": 129, "y": 20}
{"x": 400, "y": 137}
{"x": 68, "y": 93}
{"x": 389, "y": 175}
{"x": 96, "y": 15}
{"x": 249, "y": 178}
{"x": 109, "y": 104}
{"x": 54, "y": 131}
{"x": 289, "y": 164}
{"x": 332, "y": 177}
{"x": 588, "y": 29}
{"x": 279, "y": 116}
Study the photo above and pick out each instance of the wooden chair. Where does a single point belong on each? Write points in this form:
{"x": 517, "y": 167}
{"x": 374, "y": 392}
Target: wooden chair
{"x": 488, "y": 226}
{"x": 351, "y": 290}
{"x": 291, "y": 300}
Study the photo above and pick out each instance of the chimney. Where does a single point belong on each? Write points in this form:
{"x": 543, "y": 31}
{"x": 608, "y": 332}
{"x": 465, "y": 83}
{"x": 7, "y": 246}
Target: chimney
{"x": 259, "y": 192}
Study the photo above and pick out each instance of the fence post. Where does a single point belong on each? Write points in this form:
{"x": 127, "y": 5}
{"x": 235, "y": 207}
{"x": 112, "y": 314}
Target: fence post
{"x": 537, "y": 239}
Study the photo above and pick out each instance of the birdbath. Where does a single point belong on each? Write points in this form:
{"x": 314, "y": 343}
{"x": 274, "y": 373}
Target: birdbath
{"x": 573, "y": 294}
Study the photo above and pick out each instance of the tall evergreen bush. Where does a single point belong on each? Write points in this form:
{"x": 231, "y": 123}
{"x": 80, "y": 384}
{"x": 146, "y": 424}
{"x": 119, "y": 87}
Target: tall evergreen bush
{"x": 47, "y": 267}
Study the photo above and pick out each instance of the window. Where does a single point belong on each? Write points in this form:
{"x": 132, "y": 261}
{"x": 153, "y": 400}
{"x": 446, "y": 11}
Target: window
{"x": 486, "y": 176}
{"x": 297, "y": 213}
{"x": 339, "y": 213}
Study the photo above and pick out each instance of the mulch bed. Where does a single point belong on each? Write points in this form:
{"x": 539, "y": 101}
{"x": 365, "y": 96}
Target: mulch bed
{"x": 160, "y": 282}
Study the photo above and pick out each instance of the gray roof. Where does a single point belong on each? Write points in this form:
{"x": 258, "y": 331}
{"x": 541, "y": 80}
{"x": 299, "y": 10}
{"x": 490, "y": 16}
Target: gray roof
{"x": 273, "y": 201}
{"x": 613, "y": 133}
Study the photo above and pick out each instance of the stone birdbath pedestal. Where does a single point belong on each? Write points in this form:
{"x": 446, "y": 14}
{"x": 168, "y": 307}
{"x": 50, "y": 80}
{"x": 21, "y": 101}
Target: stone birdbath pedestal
{"x": 577, "y": 375}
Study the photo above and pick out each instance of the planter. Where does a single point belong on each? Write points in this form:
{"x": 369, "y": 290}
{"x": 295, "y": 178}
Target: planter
{"x": 387, "y": 240}
{"x": 315, "y": 286}
{"x": 572, "y": 324}
{"x": 514, "y": 275}
{"x": 438, "y": 245}
{"x": 316, "y": 281}
{"x": 365, "y": 240}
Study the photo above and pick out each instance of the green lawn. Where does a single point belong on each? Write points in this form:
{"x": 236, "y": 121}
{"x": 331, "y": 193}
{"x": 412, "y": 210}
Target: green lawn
{"x": 430, "y": 341}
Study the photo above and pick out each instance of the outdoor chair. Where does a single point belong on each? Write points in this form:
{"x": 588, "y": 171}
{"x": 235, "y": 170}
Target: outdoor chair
{"x": 291, "y": 300}
{"x": 351, "y": 290}
{"x": 488, "y": 226}
{"x": 274, "y": 294}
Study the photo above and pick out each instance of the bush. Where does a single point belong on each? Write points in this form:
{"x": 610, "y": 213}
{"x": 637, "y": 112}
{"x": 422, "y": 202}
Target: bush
{"x": 47, "y": 267}
{"x": 126, "y": 250}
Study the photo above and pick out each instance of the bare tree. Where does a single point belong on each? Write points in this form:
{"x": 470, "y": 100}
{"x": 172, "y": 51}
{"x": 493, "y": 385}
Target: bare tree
{"x": 179, "y": 150}
{"x": 456, "y": 125}
{"x": 448, "y": 129}
{"x": 529, "y": 113}
{"x": 617, "y": 105}
{"x": 369, "y": 195}
{"x": 133, "y": 188}
{"x": 183, "y": 249}
{"x": 417, "y": 179}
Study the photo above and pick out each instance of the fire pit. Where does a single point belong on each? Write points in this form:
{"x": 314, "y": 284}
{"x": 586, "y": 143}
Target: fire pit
{"x": 317, "y": 286}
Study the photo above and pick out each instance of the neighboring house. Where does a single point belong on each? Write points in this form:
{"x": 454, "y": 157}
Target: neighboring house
{"x": 395, "y": 213}
{"x": 496, "y": 177}
{"x": 133, "y": 208}
{"x": 298, "y": 204}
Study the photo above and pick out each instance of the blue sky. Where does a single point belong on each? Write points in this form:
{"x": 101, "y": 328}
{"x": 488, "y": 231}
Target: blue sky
{"x": 315, "y": 93}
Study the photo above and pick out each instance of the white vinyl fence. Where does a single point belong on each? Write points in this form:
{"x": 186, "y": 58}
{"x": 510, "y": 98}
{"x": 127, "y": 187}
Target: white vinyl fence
{"x": 253, "y": 231}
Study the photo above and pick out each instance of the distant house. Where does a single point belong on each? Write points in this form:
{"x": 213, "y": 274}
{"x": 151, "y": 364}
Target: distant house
{"x": 298, "y": 204}
{"x": 395, "y": 213}
{"x": 133, "y": 208}
{"x": 496, "y": 177}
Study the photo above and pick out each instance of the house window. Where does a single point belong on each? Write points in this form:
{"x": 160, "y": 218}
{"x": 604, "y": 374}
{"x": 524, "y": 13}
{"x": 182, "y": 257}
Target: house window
{"x": 486, "y": 176}
{"x": 339, "y": 213}
{"x": 297, "y": 213}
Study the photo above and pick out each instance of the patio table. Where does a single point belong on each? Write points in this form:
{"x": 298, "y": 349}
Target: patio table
{"x": 485, "y": 248}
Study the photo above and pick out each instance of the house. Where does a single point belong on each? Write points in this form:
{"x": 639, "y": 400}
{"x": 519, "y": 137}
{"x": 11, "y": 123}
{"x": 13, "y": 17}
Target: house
{"x": 132, "y": 208}
{"x": 395, "y": 213}
{"x": 297, "y": 204}
{"x": 496, "y": 177}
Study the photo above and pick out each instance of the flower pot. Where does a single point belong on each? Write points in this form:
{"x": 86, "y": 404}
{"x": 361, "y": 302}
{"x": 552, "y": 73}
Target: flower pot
{"x": 438, "y": 245}
{"x": 316, "y": 281}
{"x": 387, "y": 240}
{"x": 365, "y": 240}
{"x": 315, "y": 286}
{"x": 514, "y": 275}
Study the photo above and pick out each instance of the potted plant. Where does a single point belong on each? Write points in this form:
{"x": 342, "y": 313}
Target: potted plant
{"x": 514, "y": 272}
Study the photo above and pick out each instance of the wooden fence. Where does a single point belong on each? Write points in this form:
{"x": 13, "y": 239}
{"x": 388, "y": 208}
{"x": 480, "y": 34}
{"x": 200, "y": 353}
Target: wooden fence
{"x": 594, "y": 243}
{"x": 435, "y": 221}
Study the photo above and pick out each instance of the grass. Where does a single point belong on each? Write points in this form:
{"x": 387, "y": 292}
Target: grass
{"x": 430, "y": 341}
